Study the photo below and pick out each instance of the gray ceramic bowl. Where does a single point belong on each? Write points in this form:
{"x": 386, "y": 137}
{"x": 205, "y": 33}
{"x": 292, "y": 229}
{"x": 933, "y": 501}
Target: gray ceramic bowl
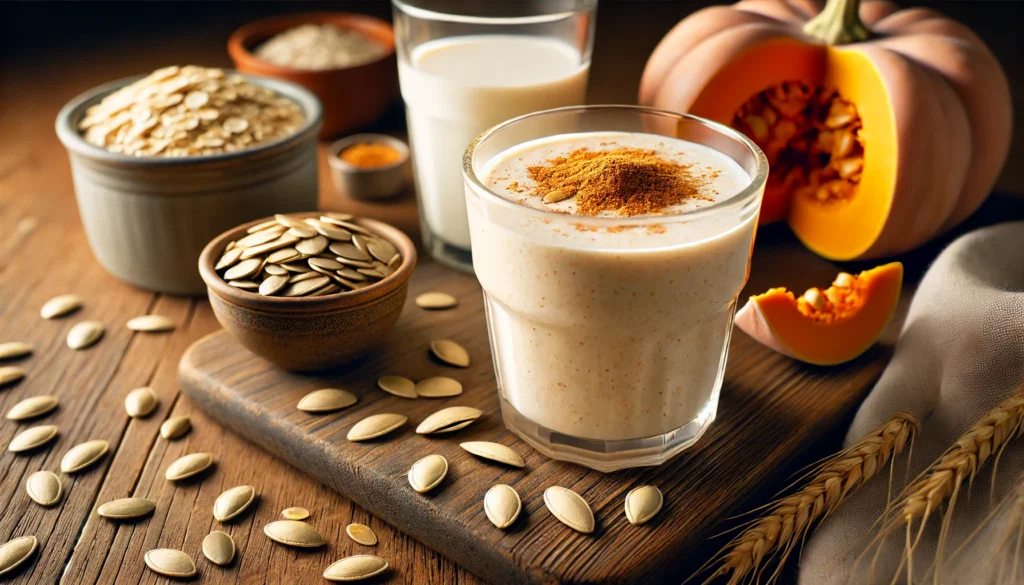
{"x": 147, "y": 219}
{"x": 369, "y": 184}
{"x": 306, "y": 334}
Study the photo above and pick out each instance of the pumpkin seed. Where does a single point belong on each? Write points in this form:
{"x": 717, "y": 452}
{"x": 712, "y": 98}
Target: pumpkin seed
{"x": 10, "y": 374}
{"x": 189, "y": 465}
{"x": 219, "y": 548}
{"x": 381, "y": 249}
{"x": 324, "y": 263}
{"x": 140, "y": 402}
{"x": 175, "y": 427}
{"x": 84, "y": 334}
{"x": 502, "y": 505}
{"x": 295, "y": 513}
{"x": 44, "y": 488}
{"x": 333, "y": 232}
{"x": 243, "y": 269}
{"x": 275, "y": 270}
{"x": 356, "y": 568}
{"x": 436, "y": 301}
{"x": 270, "y": 223}
{"x": 376, "y": 425}
{"x": 83, "y": 455}
{"x": 643, "y": 503}
{"x": 60, "y": 306}
{"x": 288, "y": 222}
{"x": 326, "y": 400}
{"x": 448, "y": 420}
{"x": 273, "y": 283}
{"x": 350, "y": 251}
{"x": 361, "y": 534}
{"x": 257, "y": 252}
{"x": 450, "y": 353}
{"x": 438, "y": 387}
{"x": 569, "y": 508}
{"x": 15, "y": 552}
{"x": 244, "y": 284}
{"x": 283, "y": 255}
{"x": 398, "y": 385}
{"x": 304, "y": 232}
{"x": 228, "y": 258}
{"x": 125, "y": 508}
{"x": 352, "y": 227}
{"x": 32, "y": 407}
{"x": 427, "y": 473}
{"x": 260, "y": 237}
{"x": 32, "y": 438}
{"x": 151, "y": 323}
{"x": 313, "y": 246}
{"x": 294, "y": 533}
{"x": 233, "y": 502}
{"x": 305, "y": 287}
{"x": 15, "y": 349}
{"x": 170, "y": 562}
{"x": 494, "y": 452}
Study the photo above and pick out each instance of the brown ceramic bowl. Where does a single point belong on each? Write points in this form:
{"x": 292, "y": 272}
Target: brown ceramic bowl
{"x": 306, "y": 334}
{"x": 352, "y": 97}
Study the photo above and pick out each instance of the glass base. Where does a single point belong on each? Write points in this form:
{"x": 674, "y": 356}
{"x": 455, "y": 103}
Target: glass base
{"x": 447, "y": 253}
{"x": 608, "y": 456}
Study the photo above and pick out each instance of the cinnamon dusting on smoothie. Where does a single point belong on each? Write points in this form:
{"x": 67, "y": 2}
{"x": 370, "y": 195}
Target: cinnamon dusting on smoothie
{"x": 625, "y": 181}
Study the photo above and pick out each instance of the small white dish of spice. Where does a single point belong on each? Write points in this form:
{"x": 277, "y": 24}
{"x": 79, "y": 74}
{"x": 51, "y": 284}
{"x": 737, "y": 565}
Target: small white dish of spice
{"x": 369, "y": 166}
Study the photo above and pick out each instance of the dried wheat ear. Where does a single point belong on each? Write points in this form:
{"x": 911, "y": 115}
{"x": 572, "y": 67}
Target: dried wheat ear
{"x": 944, "y": 478}
{"x": 786, "y": 521}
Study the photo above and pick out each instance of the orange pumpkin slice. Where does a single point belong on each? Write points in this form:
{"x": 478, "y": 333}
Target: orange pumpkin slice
{"x": 825, "y": 327}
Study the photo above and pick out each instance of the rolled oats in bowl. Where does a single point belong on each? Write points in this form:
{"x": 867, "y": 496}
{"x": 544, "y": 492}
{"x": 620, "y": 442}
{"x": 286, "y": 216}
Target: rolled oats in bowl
{"x": 320, "y": 46}
{"x": 189, "y": 111}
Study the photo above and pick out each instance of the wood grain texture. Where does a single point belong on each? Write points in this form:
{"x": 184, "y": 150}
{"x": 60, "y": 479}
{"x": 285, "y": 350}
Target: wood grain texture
{"x": 772, "y": 412}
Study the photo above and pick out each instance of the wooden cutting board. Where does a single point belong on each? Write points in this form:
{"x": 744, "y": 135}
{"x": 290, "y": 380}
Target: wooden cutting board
{"x": 773, "y": 411}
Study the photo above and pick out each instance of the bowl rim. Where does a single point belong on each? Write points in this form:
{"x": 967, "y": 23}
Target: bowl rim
{"x": 240, "y": 41}
{"x": 338, "y": 164}
{"x": 215, "y": 285}
{"x": 72, "y": 139}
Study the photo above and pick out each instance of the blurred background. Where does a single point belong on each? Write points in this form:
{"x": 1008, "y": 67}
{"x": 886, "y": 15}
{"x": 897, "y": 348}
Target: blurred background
{"x": 67, "y": 41}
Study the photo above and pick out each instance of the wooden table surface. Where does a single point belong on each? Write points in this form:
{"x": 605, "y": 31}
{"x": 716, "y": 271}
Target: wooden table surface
{"x": 43, "y": 253}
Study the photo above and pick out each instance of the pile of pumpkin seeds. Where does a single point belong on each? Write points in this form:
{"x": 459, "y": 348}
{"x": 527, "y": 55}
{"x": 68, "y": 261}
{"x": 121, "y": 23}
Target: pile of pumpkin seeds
{"x": 290, "y": 256}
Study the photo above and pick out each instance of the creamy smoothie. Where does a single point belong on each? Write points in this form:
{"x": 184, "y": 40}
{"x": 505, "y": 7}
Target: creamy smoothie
{"x": 602, "y": 330}
{"x": 457, "y": 87}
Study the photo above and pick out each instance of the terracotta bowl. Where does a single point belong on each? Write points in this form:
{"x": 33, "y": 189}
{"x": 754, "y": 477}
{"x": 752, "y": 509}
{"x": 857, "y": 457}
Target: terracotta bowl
{"x": 306, "y": 334}
{"x": 352, "y": 97}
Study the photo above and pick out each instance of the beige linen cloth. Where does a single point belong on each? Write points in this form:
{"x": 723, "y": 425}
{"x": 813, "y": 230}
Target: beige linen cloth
{"x": 960, "y": 353}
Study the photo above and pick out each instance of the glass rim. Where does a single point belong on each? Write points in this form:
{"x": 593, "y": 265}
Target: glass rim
{"x": 426, "y": 13}
{"x": 737, "y": 199}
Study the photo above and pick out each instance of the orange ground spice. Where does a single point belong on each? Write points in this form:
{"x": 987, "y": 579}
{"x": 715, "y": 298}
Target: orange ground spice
{"x": 626, "y": 181}
{"x": 370, "y": 154}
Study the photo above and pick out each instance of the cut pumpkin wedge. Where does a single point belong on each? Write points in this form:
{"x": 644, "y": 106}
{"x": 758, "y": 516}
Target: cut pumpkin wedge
{"x": 830, "y": 326}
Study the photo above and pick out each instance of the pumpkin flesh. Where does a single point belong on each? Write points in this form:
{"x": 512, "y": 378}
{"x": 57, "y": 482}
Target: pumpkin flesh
{"x": 932, "y": 103}
{"x": 825, "y": 327}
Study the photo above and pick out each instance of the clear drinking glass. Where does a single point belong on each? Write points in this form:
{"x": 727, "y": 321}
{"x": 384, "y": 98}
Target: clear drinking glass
{"x": 464, "y": 71}
{"x": 610, "y": 333}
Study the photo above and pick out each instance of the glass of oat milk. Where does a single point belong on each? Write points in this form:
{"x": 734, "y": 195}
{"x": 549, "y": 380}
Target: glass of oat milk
{"x": 469, "y": 68}
{"x": 610, "y": 332}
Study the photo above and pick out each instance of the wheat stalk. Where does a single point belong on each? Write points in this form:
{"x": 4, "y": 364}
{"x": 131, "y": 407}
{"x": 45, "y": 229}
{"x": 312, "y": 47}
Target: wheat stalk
{"x": 787, "y": 520}
{"x": 1005, "y": 547}
{"x": 944, "y": 478}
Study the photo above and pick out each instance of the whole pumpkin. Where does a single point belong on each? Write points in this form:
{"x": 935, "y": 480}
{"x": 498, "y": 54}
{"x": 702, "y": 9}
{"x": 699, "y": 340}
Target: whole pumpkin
{"x": 883, "y": 127}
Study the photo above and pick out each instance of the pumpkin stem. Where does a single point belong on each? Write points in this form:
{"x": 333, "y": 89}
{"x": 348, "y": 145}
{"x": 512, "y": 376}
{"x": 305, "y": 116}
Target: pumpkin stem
{"x": 839, "y": 23}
